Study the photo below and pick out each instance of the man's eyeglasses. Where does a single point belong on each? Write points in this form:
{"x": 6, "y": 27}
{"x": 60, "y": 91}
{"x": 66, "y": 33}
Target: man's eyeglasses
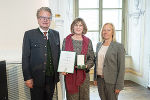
{"x": 45, "y": 18}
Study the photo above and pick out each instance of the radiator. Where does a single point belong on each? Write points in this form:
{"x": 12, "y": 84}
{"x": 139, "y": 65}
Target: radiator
{"x": 15, "y": 83}
{"x": 16, "y": 87}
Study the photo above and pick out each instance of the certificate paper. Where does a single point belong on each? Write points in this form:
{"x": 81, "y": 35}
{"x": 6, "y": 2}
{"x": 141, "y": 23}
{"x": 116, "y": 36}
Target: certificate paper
{"x": 66, "y": 61}
{"x": 80, "y": 59}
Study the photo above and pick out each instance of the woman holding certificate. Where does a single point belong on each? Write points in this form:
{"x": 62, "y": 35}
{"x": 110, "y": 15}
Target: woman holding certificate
{"x": 110, "y": 64}
{"x": 77, "y": 83}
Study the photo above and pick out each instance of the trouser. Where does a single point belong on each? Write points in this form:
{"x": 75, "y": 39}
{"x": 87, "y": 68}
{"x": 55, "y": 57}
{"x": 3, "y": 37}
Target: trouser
{"x": 106, "y": 91}
{"x": 44, "y": 93}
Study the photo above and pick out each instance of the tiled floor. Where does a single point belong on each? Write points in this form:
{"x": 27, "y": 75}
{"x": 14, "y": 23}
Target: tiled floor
{"x": 132, "y": 91}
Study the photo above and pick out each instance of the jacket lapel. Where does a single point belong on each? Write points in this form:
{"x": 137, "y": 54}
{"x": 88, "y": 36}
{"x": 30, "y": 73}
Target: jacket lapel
{"x": 109, "y": 49}
{"x": 100, "y": 45}
{"x": 40, "y": 35}
{"x": 50, "y": 37}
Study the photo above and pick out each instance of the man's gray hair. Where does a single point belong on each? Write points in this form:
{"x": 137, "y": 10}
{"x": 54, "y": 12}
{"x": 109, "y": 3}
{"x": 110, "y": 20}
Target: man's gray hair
{"x": 43, "y": 9}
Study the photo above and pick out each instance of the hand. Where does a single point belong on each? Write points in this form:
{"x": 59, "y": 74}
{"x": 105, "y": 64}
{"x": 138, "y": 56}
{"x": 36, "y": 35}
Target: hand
{"x": 117, "y": 91}
{"x": 64, "y": 73}
{"x": 86, "y": 66}
{"x": 75, "y": 66}
{"x": 29, "y": 83}
{"x": 95, "y": 83}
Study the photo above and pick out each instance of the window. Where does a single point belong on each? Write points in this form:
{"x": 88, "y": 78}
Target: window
{"x": 96, "y": 13}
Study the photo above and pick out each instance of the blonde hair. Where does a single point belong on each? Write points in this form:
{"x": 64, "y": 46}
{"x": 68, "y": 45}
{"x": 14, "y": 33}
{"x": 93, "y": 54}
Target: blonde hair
{"x": 113, "y": 32}
{"x": 77, "y": 20}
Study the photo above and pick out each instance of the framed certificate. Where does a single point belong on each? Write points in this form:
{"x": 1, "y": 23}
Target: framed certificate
{"x": 66, "y": 61}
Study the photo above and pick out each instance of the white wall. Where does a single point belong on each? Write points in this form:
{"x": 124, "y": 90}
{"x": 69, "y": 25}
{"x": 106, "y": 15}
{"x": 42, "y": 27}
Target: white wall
{"x": 16, "y": 16}
{"x": 139, "y": 46}
{"x": 146, "y": 62}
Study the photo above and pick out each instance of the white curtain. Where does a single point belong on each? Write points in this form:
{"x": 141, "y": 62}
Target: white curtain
{"x": 64, "y": 8}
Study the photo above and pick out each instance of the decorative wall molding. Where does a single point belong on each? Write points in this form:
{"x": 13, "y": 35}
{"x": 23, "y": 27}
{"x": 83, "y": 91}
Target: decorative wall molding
{"x": 134, "y": 72}
{"x": 137, "y": 10}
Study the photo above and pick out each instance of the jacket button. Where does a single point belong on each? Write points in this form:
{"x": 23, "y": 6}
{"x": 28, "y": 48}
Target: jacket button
{"x": 45, "y": 54}
{"x": 43, "y": 71}
{"x": 44, "y": 63}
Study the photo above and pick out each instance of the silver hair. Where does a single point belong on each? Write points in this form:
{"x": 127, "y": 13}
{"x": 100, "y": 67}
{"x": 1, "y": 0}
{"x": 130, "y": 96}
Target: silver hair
{"x": 43, "y": 9}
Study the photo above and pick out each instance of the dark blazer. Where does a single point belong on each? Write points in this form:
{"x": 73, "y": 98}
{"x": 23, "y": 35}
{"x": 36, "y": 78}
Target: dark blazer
{"x": 114, "y": 64}
{"x": 34, "y": 55}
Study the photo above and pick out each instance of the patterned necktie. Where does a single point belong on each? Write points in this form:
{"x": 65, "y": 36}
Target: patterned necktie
{"x": 45, "y": 37}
